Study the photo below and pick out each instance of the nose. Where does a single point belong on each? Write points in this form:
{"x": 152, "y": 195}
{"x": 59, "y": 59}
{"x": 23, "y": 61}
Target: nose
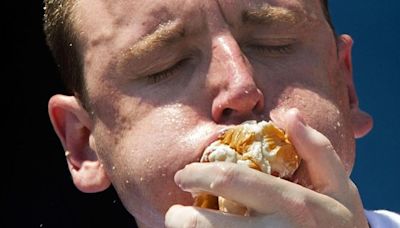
{"x": 237, "y": 97}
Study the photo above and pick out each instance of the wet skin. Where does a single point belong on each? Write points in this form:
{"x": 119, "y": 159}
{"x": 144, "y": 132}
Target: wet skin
{"x": 163, "y": 77}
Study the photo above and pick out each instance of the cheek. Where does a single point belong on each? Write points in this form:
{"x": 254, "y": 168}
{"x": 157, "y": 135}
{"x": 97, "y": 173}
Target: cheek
{"x": 325, "y": 113}
{"x": 142, "y": 160}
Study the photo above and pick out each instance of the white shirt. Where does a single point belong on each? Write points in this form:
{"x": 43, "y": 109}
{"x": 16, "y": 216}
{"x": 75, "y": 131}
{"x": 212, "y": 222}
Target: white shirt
{"x": 383, "y": 219}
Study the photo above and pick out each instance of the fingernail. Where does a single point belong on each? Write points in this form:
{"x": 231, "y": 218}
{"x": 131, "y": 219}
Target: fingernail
{"x": 277, "y": 116}
{"x": 177, "y": 178}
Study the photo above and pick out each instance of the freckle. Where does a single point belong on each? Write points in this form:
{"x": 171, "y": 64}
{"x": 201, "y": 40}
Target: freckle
{"x": 123, "y": 119}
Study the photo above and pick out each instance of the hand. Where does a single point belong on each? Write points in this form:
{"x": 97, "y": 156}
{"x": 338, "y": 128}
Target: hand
{"x": 333, "y": 202}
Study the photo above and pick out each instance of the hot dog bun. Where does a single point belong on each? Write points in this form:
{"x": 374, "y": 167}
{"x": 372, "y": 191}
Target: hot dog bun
{"x": 258, "y": 145}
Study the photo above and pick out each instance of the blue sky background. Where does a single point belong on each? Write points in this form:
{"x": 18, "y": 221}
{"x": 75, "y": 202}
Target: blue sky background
{"x": 375, "y": 28}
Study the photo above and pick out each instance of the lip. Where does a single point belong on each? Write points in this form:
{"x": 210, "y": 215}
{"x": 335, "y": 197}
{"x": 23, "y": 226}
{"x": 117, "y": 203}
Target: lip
{"x": 213, "y": 137}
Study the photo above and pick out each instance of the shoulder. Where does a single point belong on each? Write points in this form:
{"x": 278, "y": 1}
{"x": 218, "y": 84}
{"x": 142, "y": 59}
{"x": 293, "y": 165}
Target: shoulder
{"x": 383, "y": 218}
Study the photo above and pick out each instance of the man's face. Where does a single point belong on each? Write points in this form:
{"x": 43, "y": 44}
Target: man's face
{"x": 164, "y": 77}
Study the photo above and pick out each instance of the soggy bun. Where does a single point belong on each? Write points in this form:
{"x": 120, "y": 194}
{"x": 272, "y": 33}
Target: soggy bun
{"x": 258, "y": 145}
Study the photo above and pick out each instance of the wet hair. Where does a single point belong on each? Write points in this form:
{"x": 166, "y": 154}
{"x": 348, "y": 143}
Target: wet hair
{"x": 63, "y": 41}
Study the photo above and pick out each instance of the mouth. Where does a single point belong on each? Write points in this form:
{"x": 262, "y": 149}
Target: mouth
{"x": 212, "y": 138}
{"x": 219, "y": 132}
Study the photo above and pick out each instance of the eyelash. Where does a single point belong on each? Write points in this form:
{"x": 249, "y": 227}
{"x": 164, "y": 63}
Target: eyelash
{"x": 274, "y": 50}
{"x": 265, "y": 50}
{"x": 157, "y": 77}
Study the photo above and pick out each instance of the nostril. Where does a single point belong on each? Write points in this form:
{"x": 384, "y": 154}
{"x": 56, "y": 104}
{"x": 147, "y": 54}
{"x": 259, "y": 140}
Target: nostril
{"x": 259, "y": 107}
{"x": 227, "y": 112}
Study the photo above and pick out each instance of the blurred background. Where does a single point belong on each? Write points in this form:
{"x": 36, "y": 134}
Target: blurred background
{"x": 375, "y": 28}
{"x": 37, "y": 190}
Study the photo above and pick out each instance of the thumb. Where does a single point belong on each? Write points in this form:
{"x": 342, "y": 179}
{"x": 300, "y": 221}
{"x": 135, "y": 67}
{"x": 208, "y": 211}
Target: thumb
{"x": 324, "y": 166}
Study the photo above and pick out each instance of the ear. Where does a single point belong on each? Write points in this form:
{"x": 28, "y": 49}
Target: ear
{"x": 73, "y": 126}
{"x": 361, "y": 121}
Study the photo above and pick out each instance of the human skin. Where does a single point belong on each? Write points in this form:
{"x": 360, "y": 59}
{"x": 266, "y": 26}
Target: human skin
{"x": 217, "y": 69}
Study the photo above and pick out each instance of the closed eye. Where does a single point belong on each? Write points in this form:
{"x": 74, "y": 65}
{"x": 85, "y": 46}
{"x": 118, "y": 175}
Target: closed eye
{"x": 274, "y": 50}
{"x": 160, "y": 76}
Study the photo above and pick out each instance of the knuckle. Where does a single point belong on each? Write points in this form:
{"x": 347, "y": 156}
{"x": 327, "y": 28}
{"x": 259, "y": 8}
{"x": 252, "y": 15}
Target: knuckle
{"x": 300, "y": 212}
{"x": 185, "y": 217}
{"x": 324, "y": 142}
{"x": 192, "y": 221}
{"x": 318, "y": 139}
{"x": 224, "y": 176}
{"x": 324, "y": 146}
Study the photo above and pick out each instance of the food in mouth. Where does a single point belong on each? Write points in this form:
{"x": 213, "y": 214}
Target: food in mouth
{"x": 258, "y": 145}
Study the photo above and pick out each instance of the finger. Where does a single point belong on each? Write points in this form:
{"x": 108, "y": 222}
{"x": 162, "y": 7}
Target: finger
{"x": 324, "y": 166}
{"x": 180, "y": 216}
{"x": 263, "y": 193}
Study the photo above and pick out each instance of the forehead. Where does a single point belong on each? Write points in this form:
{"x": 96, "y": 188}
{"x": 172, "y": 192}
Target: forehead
{"x": 142, "y": 16}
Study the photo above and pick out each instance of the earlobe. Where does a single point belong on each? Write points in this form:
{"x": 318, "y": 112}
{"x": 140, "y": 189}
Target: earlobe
{"x": 73, "y": 126}
{"x": 361, "y": 121}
